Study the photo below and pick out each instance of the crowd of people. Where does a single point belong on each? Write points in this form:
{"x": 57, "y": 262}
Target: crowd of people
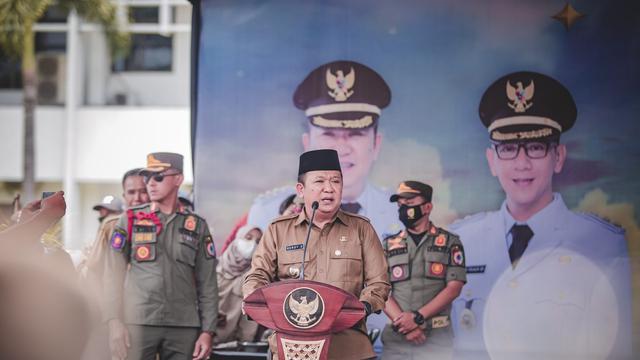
{"x": 531, "y": 280}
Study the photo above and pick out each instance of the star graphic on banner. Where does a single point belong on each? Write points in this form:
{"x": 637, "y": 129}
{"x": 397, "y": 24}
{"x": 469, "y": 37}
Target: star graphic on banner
{"x": 568, "y": 16}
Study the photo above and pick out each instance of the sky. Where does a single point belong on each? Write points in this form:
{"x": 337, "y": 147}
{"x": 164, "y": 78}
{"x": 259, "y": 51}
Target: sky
{"x": 438, "y": 57}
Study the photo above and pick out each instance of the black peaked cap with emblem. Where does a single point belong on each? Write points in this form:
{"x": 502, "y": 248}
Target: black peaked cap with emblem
{"x": 527, "y": 105}
{"x": 342, "y": 94}
{"x": 324, "y": 159}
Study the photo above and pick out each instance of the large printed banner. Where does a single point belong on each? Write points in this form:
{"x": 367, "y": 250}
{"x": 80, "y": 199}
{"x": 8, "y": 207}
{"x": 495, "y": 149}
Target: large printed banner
{"x": 407, "y": 78}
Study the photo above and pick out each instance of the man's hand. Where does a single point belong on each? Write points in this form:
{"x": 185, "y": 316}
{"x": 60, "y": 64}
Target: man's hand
{"x": 27, "y": 212}
{"x": 119, "y": 340}
{"x": 202, "y": 348}
{"x": 404, "y": 323}
{"x": 416, "y": 336}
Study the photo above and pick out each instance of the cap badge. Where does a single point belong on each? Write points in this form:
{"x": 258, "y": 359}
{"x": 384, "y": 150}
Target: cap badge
{"x": 340, "y": 84}
{"x": 153, "y": 162}
{"x": 520, "y": 96}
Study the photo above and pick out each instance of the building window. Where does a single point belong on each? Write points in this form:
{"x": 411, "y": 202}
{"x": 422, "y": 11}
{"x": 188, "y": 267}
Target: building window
{"x": 10, "y": 74}
{"x": 144, "y": 14}
{"x": 149, "y": 52}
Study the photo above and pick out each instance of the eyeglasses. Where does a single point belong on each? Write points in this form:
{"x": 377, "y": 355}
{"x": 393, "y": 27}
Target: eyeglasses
{"x": 157, "y": 177}
{"x": 533, "y": 150}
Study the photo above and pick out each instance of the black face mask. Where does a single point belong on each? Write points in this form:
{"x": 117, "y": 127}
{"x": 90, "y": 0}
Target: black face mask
{"x": 409, "y": 215}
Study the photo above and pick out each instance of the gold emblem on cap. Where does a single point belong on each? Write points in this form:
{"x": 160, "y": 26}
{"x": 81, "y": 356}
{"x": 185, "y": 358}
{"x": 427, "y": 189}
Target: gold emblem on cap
{"x": 404, "y": 188}
{"x": 152, "y": 162}
{"x": 340, "y": 84}
{"x": 520, "y": 96}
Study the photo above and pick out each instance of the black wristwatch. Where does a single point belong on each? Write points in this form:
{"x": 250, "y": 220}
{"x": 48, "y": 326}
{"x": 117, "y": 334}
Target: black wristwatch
{"x": 418, "y": 318}
{"x": 367, "y": 308}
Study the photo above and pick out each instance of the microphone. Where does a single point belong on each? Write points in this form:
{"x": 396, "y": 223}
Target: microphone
{"x": 314, "y": 207}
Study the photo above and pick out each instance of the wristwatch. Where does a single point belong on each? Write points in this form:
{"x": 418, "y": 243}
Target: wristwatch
{"x": 367, "y": 308}
{"x": 418, "y": 318}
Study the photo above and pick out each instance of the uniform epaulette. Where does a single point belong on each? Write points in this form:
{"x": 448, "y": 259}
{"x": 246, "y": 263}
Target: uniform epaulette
{"x": 273, "y": 193}
{"x": 283, "y": 217}
{"x": 468, "y": 219}
{"x": 357, "y": 216}
{"x": 393, "y": 235}
{"x": 604, "y": 222}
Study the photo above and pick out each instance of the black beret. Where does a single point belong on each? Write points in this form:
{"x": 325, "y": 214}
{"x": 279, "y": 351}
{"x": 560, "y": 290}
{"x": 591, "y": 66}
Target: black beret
{"x": 342, "y": 94}
{"x": 324, "y": 159}
{"x": 527, "y": 105}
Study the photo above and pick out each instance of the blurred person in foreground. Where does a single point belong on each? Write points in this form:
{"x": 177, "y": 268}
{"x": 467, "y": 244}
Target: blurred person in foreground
{"x": 43, "y": 315}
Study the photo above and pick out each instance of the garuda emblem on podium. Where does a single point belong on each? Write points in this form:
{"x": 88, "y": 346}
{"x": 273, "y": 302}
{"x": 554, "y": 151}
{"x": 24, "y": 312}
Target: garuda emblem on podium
{"x": 303, "y": 308}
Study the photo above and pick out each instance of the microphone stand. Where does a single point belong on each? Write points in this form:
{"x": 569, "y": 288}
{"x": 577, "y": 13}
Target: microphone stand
{"x": 314, "y": 207}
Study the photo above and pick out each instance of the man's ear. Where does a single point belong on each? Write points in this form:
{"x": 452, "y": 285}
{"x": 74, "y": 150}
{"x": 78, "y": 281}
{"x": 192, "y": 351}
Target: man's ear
{"x": 490, "y": 154}
{"x": 561, "y": 157}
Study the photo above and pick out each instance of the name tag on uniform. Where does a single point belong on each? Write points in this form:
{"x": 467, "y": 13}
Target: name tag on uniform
{"x": 476, "y": 269}
{"x": 398, "y": 251}
{"x": 294, "y": 247}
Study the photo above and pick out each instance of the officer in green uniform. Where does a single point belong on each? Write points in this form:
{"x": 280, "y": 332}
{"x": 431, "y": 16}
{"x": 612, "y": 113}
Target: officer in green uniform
{"x": 427, "y": 272}
{"x": 160, "y": 279}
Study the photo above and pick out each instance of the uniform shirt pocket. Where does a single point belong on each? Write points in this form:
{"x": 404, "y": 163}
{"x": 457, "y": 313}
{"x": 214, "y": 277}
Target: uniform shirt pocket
{"x": 436, "y": 265}
{"x": 345, "y": 264}
{"x": 289, "y": 264}
{"x": 399, "y": 269}
{"x": 186, "y": 252}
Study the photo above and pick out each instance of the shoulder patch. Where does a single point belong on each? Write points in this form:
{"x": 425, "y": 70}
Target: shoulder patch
{"x": 605, "y": 223}
{"x": 118, "y": 239}
{"x": 469, "y": 219}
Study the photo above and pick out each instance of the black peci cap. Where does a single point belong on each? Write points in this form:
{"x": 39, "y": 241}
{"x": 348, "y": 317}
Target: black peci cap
{"x": 324, "y": 159}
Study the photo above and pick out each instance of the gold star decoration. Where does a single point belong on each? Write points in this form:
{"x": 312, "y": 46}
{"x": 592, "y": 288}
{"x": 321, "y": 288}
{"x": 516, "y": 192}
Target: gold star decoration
{"x": 568, "y": 16}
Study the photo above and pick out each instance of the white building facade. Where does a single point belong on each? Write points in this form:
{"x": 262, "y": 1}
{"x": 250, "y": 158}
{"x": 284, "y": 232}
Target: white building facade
{"x": 98, "y": 118}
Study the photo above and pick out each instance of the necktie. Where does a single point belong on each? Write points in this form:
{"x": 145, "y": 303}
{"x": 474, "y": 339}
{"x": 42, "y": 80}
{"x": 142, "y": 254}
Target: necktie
{"x": 521, "y": 234}
{"x": 351, "y": 207}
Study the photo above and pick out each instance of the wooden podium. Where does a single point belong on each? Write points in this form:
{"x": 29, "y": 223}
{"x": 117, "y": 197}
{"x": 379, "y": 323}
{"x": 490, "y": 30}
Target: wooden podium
{"x": 304, "y": 314}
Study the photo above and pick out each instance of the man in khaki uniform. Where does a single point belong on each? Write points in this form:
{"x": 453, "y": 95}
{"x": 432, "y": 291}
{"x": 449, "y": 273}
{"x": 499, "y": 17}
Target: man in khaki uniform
{"x": 427, "y": 272}
{"x": 169, "y": 299}
{"x": 344, "y": 250}
{"x": 134, "y": 193}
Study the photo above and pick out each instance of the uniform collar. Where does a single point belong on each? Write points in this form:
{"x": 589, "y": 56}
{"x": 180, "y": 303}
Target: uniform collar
{"x": 548, "y": 217}
{"x": 340, "y": 215}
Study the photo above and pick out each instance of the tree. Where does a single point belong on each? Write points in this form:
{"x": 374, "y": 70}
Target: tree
{"x": 17, "y": 18}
